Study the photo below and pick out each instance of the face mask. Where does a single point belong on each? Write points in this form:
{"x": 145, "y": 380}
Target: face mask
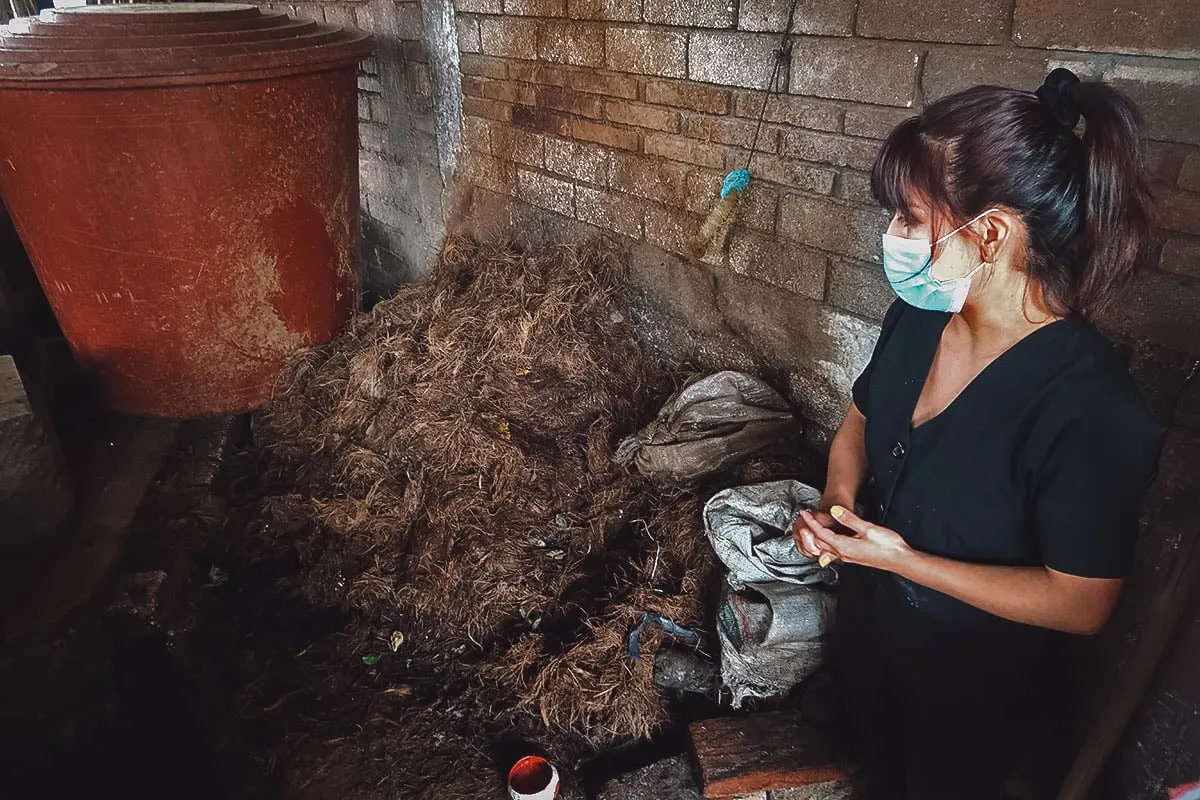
{"x": 908, "y": 264}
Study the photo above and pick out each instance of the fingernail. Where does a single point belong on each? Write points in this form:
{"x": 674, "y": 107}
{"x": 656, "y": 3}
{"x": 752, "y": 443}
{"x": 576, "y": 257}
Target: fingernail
{"x": 825, "y": 560}
{"x": 837, "y": 512}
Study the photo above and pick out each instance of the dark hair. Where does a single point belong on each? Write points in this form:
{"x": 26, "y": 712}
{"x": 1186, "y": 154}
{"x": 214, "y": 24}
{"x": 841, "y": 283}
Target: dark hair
{"x": 1084, "y": 200}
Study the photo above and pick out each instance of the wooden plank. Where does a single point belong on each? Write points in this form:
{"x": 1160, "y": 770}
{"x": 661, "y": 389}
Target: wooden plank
{"x": 9, "y": 329}
{"x": 761, "y": 752}
{"x": 107, "y": 509}
{"x": 35, "y": 493}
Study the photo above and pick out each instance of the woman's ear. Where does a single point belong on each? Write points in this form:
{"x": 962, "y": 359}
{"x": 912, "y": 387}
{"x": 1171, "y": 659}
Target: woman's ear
{"x": 994, "y": 233}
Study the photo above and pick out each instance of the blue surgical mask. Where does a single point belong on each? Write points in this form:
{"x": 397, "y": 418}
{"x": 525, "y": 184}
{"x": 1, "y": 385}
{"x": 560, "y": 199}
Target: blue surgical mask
{"x": 908, "y": 264}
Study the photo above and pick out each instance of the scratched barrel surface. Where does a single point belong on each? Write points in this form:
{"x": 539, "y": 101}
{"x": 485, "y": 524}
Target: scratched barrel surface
{"x": 185, "y": 180}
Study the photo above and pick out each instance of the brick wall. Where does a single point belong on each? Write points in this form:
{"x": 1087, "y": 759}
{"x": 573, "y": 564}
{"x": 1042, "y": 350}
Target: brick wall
{"x": 623, "y": 115}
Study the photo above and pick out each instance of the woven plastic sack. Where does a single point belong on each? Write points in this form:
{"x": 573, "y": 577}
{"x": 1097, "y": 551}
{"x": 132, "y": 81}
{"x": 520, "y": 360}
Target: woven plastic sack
{"x": 775, "y": 616}
{"x": 709, "y": 425}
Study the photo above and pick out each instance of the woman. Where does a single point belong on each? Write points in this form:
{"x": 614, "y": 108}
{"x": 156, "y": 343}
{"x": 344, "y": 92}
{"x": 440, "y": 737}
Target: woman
{"x": 1002, "y": 444}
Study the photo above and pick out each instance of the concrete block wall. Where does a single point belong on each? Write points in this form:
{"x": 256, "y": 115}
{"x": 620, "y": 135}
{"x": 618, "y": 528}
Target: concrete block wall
{"x": 623, "y": 115}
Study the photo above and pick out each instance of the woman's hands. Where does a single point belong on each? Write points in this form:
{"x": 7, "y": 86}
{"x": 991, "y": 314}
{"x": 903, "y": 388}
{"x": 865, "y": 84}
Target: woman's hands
{"x": 866, "y": 544}
{"x": 1030, "y": 595}
{"x": 847, "y": 471}
{"x": 804, "y": 534}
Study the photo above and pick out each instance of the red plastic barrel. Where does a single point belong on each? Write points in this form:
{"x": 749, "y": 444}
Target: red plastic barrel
{"x": 185, "y": 179}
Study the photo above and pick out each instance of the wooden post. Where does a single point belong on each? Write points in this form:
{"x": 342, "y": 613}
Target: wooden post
{"x": 24, "y": 8}
{"x": 9, "y": 321}
{"x": 1170, "y": 603}
{"x": 762, "y": 752}
{"x": 8, "y": 315}
{"x": 1173, "y": 497}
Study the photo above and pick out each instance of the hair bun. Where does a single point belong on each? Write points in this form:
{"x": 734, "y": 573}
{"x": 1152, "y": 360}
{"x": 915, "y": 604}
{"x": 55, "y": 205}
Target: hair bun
{"x": 1059, "y": 93}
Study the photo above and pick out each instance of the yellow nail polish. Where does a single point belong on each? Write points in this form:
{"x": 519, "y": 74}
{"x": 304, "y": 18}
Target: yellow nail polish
{"x": 825, "y": 560}
{"x": 837, "y": 512}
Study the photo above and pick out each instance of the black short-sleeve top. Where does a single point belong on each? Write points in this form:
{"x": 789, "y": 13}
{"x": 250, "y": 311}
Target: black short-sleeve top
{"x": 1043, "y": 459}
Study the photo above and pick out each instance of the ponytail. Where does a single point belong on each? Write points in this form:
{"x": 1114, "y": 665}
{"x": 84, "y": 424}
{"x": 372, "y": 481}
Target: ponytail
{"x": 1116, "y": 209}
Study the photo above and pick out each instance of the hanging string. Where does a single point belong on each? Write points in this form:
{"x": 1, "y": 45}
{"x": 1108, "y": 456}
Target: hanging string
{"x": 782, "y": 55}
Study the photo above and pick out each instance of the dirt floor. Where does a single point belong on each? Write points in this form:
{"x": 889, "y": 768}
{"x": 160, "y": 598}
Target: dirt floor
{"x": 232, "y": 653}
{"x": 298, "y": 707}
{"x": 222, "y": 681}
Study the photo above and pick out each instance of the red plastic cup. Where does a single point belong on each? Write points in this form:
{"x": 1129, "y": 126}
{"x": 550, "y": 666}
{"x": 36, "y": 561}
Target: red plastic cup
{"x": 533, "y": 778}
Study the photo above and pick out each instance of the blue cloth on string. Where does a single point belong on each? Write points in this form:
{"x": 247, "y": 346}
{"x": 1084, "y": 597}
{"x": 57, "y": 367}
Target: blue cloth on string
{"x": 736, "y": 181}
{"x": 667, "y": 625}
